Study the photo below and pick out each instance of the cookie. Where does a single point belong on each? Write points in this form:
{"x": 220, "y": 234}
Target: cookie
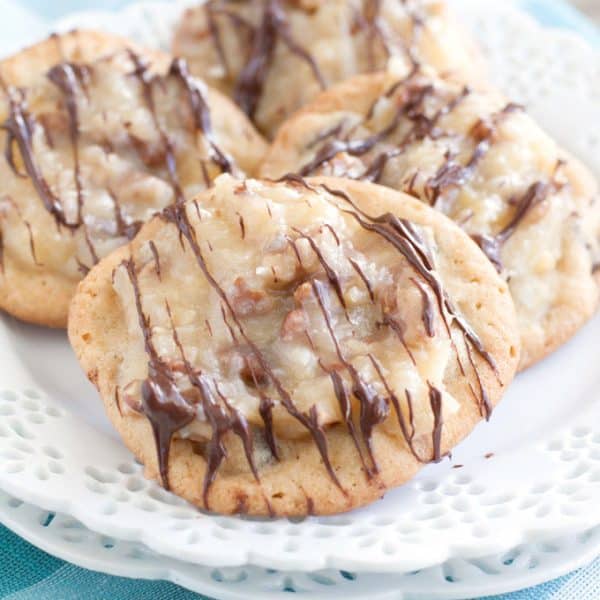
{"x": 297, "y": 347}
{"x": 274, "y": 56}
{"x": 97, "y": 136}
{"x": 480, "y": 160}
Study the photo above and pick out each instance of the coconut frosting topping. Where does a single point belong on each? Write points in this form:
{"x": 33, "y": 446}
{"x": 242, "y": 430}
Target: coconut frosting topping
{"x": 91, "y": 151}
{"x": 274, "y": 56}
{"x": 272, "y": 311}
{"x": 480, "y": 160}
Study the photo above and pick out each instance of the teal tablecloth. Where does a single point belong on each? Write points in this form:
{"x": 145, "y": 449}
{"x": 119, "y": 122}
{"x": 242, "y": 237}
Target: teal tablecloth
{"x": 27, "y": 573}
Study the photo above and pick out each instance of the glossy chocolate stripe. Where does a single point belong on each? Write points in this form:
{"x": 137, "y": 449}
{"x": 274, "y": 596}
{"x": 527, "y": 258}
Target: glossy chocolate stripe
{"x": 160, "y": 391}
{"x": 19, "y": 128}
{"x": 274, "y": 27}
{"x": 164, "y": 405}
{"x": 201, "y": 112}
{"x": 373, "y": 408}
{"x": 492, "y": 245}
{"x": 221, "y": 422}
{"x": 435, "y": 400}
{"x": 68, "y": 77}
{"x": 402, "y": 235}
{"x": 177, "y": 215}
{"x": 408, "y": 436}
{"x": 74, "y": 81}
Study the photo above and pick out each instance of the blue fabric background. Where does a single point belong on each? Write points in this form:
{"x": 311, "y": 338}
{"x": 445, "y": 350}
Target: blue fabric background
{"x": 27, "y": 573}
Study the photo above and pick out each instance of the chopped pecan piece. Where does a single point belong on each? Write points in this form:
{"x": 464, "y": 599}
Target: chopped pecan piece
{"x": 247, "y": 302}
{"x": 303, "y": 292}
{"x": 252, "y": 373}
{"x": 152, "y": 154}
{"x": 293, "y": 325}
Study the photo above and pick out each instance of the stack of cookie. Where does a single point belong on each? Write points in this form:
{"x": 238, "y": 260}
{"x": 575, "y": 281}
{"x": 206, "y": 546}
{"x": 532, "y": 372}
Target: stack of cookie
{"x": 291, "y": 326}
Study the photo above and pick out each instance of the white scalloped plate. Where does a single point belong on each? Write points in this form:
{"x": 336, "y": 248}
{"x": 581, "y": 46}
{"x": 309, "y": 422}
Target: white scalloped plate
{"x": 521, "y": 567}
{"x": 542, "y": 481}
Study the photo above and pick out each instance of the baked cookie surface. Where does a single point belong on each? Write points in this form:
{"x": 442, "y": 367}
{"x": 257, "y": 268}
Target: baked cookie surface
{"x": 534, "y": 210}
{"x": 274, "y": 56}
{"x": 97, "y": 137}
{"x": 297, "y": 347}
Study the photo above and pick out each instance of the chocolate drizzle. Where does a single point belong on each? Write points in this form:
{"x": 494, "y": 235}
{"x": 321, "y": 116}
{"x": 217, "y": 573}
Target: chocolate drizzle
{"x": 19, "y": 128}
{"x": 399, "y": 327}
{"x": 146, "y": 81}
{"x": 451, "y": 174}
{"x": 163, "y": 403}
{"x": 169, "y": 410}
{"x": 359, "y": 147}
{"x": 332, "y": 276}
{"x": 408, "y": 435}
{"x": 404, "y": 237}
{"x": 411, "y": 108}
{"x": 373, "y": 408}
{"x": 156, "y": 257}
{"x": 341, "y": 394}
{"x": 364, "y": 279}
{"x": 274, "y": 27}
{"x": 215, "y": 34}
{"x": 123, "y": 228}
{"x": 177, "y": 215}
{"x": 201, "y": 113}
{"x": 435, "y": 400}
{"x": 221, "y": 419}
{"x": 74, "y": 82}
{"x": 68, "y": 78}
{"x": 371, "y": 22}
{"x": 492, "y": 244}
{"x": 428, "y": 314}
